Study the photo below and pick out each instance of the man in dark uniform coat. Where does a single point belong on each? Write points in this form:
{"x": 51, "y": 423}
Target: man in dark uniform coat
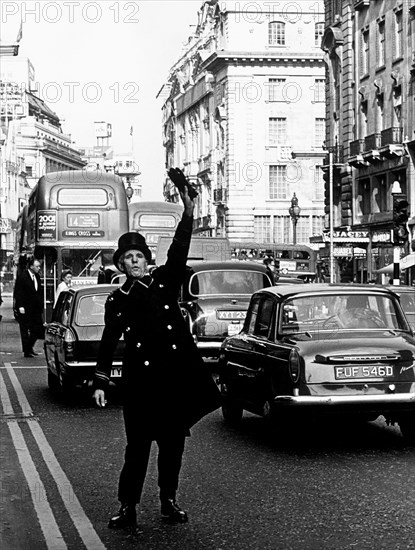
{"x": 166, "y": 386}
{"x": 28, "y": 304}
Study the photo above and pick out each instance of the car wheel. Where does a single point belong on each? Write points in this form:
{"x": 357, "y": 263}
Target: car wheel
{"x": 407, "y": 426}
{"x": 232, "y": 412}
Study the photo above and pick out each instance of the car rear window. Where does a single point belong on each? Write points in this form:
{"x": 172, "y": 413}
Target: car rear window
{"x": 227, "y": 282}
{"x": 344, "y": 311}
{"x": 91, "y": 310}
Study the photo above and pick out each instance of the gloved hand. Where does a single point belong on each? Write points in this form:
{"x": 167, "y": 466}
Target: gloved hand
{"x": 180, "y": 181}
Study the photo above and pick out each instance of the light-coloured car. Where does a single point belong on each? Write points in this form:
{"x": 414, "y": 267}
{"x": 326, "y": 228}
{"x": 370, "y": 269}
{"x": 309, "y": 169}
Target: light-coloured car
{"x": 324, "y": 349}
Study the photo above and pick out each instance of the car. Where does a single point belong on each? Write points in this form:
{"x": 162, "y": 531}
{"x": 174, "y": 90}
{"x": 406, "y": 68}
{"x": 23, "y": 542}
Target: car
{"x": 72, "y": 337}
{"x": 214, "y": 299}
{"x": 322, "y": 349}
{"x": 407, "y": 297}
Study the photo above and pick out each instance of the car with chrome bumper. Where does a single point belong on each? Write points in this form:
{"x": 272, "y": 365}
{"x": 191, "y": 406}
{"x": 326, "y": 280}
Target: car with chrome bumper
{"x": 214, "y": 299}
{"x": 73, "y": 336}
{"x": 321, "y": 349}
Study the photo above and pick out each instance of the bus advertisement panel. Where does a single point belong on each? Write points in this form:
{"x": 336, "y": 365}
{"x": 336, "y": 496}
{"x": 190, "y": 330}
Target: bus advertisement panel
{"x": 154, "y": 219}
{"x": 74, "y": 220}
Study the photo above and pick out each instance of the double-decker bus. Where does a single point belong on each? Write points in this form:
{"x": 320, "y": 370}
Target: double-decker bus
{"x": 154, "y": 219}
{"x": 294, "y": 260}
{"x": 74, "y": 220}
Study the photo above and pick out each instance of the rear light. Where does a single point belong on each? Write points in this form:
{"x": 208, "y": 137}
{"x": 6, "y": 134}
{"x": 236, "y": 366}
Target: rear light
{"x": 69, "y": 342}
{"x": 294, "y": 365}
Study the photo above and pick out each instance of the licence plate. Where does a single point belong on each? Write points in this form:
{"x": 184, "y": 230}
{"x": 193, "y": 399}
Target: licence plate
{"x": 234, "y": 328}
{"x": 116, "y": 372}
{"x": 363, "y": 371}
{"x": 230, "y": 315}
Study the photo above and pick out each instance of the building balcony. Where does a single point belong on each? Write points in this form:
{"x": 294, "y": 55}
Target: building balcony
{"x": 204, "y": 163}
{"x": 374, "y": 141}
{"x": 357, "y": 147}
{"x": 220, "y": 195}
{"x": 392, "y": 143}
{"x": 391, "y": 136}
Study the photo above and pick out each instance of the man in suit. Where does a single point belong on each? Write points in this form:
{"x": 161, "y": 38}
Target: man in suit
{"x": 28, "y": 303}
{"x": 166, "y": 386}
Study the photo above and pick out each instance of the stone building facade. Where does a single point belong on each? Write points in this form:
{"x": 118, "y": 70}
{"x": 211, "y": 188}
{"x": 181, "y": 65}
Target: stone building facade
{"x": 369, "y": 53}
{"x": 244, "y": 115}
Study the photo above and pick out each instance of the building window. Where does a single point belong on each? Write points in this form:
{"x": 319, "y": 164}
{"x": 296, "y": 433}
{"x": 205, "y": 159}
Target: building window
{"x": 278, "y": 182}
{"x": 317, "y": 225}
{"x": 364, "y": 53}
{"x": 319, "y": 131}
{"x": 397, "y": 105}
{"x": 398, "y": 36}
{"x": 318, "y": 183}
{"x": 363, "y": 119}
{"x": 262, "y": 229}
{"x": 319, "y": 90}
{"x": 29, "y": 171}
{"x": 379, "y": 113}
{"x": 281, "y": 232}
{"x": 276, "y": 86}
{"x": 380, "y": 44}
{"x": 303, "y": 230}
{"x": 277, "y": 131}
{"x": 276, "y": 33}
{"x": 318, "y": 34}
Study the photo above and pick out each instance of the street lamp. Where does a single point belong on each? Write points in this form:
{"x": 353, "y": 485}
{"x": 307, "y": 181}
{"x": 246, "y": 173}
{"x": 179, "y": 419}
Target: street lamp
{"x": 129, "y": 191}
{"x": 294, "y": 211}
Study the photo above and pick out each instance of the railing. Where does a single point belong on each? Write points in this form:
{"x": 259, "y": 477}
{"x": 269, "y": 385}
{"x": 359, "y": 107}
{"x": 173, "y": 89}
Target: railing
{"x": 372, "y": 142}
{"x": 392, "y": 135}
{"x": 357, "y": 147}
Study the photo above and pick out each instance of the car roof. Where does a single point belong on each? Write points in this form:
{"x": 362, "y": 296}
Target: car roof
{"x": 94, "y": 289}
{"x": 330, "y": 288}
{"x": 200, "y": 265}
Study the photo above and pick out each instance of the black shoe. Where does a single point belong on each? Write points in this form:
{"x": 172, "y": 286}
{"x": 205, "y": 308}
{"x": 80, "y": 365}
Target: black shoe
{"x": 34, "y": 352}
{"x": 29, "y": 354}
{"x": 126, "y": 517}
{"x": 171, "y": 511}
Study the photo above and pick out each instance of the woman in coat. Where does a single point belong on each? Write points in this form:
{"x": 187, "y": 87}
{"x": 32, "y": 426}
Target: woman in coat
{"x": 166, "y": 386}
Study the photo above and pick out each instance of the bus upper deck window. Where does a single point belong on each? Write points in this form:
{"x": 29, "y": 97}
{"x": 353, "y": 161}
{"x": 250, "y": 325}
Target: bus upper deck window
{"x": 88, "y": 196}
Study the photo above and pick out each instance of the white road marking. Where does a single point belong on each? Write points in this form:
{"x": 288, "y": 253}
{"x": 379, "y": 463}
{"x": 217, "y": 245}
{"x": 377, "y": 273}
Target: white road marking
{"x": 72, "y": 504}
{"x": 23, "y": 366}
{"x": 50, "y": 529}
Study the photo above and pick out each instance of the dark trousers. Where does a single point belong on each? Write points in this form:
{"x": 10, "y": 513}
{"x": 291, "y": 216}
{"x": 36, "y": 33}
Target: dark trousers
{"x": 27, "y": 333}
{"x": 137, "y": 454}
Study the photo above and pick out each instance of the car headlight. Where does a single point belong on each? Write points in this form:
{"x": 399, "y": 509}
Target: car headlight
{"x": 294, "y": 365}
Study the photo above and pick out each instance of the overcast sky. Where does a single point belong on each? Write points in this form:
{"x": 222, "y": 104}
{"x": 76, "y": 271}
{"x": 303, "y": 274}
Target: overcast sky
{"x": 106, "y": 61}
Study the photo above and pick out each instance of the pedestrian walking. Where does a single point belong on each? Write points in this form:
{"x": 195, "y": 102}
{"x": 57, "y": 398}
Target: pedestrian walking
{"x": 28, "y": 304}
{"x": 166, "y": 386}
{"x": 65, "y": 284}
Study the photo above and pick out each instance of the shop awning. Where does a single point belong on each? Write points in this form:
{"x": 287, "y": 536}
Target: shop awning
{"x": 405, "y": 263}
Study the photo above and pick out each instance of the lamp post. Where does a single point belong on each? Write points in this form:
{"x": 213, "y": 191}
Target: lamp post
{"x": 294, "y": 211}
{"x": 129, "y": 191}
{"x": 396, "y": 191}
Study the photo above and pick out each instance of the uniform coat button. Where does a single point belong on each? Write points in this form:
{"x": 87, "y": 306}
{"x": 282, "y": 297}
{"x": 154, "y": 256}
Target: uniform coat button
{"x": 138, "y": 344}
{"x": 174, "y": 346}
{"x": 146, "y": 363}
{"x": 166, "y": 307}
{"x": 169, "y": 327}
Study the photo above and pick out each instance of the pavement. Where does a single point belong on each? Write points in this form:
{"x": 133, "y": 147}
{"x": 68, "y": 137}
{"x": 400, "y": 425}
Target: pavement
{"x": 19, "y": 525}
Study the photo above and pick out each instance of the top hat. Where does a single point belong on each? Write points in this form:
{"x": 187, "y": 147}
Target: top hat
{"x": 131, "y": 241}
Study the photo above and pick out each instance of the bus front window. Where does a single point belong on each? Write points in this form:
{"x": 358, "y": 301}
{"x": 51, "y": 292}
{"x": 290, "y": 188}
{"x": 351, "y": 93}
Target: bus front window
{"x": 87, "y": 262}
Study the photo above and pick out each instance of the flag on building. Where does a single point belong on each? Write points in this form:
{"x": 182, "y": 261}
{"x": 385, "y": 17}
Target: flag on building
{"x": 131, "y": 131}
{"x": 20, "y": 33}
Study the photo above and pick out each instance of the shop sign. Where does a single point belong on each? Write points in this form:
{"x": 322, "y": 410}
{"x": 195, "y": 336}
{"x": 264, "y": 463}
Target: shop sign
{"x": 382, "y": 237}
{"x": 348, "y": 252}
{"x": 5, "y": 225}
